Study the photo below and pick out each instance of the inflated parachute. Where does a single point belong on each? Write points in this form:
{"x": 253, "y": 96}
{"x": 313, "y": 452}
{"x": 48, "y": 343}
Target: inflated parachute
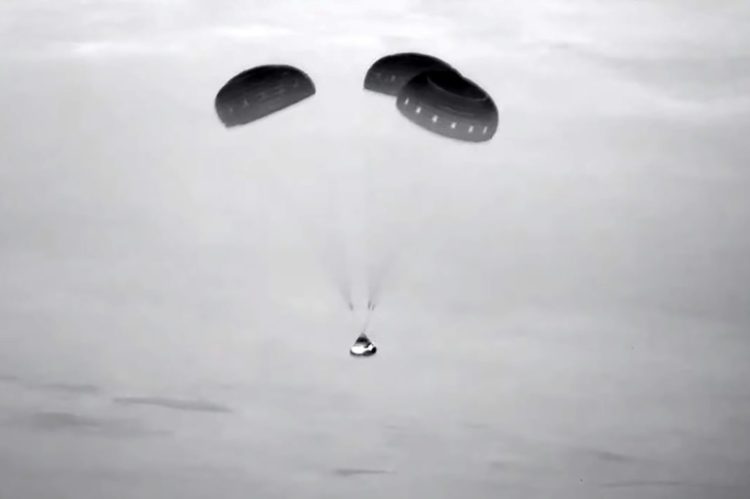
{"x": 434, "y": 95}
{"x": 390, "y": 73}
{"x": 261, "y": 91}
{"x": 446, "y": 103}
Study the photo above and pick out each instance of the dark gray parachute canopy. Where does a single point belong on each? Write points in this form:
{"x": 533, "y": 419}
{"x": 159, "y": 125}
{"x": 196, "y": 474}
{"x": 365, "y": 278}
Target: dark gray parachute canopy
{"x": 446, "y": 103}
{"x": 261, "y": 91}
{"x": 388, "y": 74}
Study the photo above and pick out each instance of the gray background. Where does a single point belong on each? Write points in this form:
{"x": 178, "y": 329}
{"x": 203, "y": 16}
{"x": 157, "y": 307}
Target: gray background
{"x": 567, "y": 309}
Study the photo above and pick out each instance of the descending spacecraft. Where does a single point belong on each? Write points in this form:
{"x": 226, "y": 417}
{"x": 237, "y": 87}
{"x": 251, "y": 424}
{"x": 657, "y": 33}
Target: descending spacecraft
{"x": 363, "y": 347}
{"x": 428, "y": 92}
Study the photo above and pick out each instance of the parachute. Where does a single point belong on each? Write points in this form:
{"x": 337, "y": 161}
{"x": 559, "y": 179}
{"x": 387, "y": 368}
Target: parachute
{"x": 389, "y": 74}
{"x": 261, "y": 91}
{"x": 446, "y": 103}
{"x": 434, "y": 95}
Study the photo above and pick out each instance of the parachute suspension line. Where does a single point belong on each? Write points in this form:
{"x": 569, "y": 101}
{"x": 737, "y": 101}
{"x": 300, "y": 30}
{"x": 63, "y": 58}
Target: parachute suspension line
{"x": 345, "y": 290}
{"x": 373, "y": 278}
{"x": 344, "y": 277}
{"x": 373, "y": 292}
{"x": 368, "y": 319}
{"x": 334, "y": 266}
{"x": 378, "y": 275}
{"x": 382, "y": 254}
{"x": 405, "y": 233}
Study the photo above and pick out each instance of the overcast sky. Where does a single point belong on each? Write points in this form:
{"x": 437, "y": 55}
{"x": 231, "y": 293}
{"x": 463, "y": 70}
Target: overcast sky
{"x": 564, "y": 310}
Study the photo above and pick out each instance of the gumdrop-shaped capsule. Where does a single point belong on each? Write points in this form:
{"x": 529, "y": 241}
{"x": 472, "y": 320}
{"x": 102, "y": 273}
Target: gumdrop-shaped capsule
{"x": 363, "y": 347}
